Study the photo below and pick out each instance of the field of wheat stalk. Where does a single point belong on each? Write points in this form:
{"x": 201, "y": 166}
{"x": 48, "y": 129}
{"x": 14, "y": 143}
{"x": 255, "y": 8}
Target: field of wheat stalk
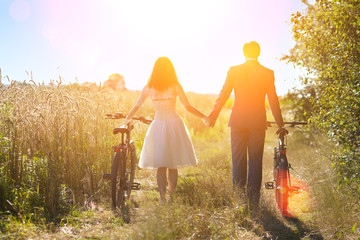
{"x": 54, "y": 143}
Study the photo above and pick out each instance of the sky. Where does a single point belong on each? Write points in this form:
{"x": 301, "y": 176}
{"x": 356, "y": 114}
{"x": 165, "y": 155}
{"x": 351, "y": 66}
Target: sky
{"x": 88, "y": 40}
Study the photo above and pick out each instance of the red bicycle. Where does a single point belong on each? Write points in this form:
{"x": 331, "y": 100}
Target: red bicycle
{"x": 282, "y": 181}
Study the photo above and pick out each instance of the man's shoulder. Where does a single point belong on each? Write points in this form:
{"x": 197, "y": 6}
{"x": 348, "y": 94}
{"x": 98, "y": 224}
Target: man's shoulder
{"x": 266, "y": 69}
{"x": 245, "y": 65}
{"x": 237, "y": 67}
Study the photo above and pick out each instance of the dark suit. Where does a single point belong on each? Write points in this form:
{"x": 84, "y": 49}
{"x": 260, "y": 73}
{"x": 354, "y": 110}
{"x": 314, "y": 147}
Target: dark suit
{"x": 251, "y": 83}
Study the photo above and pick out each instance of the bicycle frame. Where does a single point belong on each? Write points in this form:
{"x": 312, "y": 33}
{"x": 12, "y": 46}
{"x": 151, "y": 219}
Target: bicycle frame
{"x": 280, "y": 154}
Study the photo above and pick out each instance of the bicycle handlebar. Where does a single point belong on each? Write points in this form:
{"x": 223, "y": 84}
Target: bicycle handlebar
{"x": 292, "y": 124}
{"x": 120, "y": 116}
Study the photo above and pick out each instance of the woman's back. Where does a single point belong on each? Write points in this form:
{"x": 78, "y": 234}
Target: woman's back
{"x": 164, "y": 102}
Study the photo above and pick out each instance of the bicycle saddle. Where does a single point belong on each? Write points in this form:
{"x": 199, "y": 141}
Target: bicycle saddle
{"x": 121, "y": 130}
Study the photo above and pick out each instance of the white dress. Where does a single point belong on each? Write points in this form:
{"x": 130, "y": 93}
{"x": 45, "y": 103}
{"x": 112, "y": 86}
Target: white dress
{"x": 167, "y": 142}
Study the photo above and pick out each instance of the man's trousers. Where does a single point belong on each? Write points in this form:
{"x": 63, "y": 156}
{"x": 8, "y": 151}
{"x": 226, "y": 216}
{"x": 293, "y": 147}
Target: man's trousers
{"x": 247, "y": 147}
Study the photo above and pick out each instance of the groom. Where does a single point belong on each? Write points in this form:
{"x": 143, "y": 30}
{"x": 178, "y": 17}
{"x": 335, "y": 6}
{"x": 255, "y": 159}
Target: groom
{"x": 251, "y": 83}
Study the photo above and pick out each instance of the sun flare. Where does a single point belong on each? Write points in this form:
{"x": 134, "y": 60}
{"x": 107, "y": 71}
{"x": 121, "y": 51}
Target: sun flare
{"x": 300, "y": 201}
{"x": 164, "y": 20}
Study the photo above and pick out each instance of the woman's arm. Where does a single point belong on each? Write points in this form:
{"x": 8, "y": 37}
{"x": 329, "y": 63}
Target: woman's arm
{"x": 143, "y": 95}
{"x": 187, "y": 105}
{"x": 223, "y": 96}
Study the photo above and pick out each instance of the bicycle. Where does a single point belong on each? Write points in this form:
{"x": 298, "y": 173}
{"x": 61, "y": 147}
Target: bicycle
{"x": 282, "y": 180}
{"x": 123, "y": 165}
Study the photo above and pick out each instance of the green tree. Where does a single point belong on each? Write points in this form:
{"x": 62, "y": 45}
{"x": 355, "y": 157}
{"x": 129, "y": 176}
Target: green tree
{"x": 299, "y": 102}
{"x": 327, "y": 46}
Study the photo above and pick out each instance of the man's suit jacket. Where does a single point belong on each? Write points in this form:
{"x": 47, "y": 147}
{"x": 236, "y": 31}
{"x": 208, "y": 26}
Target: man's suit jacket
{"x": 251, "y": 83}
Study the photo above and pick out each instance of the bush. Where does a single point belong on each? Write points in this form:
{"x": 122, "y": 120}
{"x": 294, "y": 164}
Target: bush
{"x": 327, "y": 36}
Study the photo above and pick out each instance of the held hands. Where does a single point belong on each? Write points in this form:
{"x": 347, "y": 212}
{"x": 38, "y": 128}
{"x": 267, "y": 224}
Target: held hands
{"x": 208, "y": 121}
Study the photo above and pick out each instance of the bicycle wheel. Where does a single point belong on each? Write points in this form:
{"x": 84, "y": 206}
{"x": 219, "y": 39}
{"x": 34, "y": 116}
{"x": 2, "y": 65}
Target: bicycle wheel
{"x": 114, "y": 178}
{"x": 117, "y": 181}
{"x": 282, "y": 188}
{"x": 132, "y": 156}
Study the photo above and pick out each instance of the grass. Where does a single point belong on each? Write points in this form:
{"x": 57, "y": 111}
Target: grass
{"x": 57, "y": 136}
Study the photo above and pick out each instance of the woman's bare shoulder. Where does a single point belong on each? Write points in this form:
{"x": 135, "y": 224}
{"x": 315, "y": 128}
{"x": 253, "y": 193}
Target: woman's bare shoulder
{"x": 146, "y": 89}
{"x": 178, "y": 88}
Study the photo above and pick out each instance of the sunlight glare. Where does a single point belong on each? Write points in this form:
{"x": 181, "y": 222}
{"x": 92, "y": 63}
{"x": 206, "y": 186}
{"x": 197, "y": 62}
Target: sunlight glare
{"x": 300, "y": 201}
{"x": 162, "y": 20}
{"x": 20, "y": 10}
{"x": 85, "y": 54}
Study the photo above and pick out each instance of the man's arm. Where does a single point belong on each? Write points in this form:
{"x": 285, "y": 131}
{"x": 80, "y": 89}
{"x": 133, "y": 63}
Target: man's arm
{"x": 274, "y": 102}
{"x": 223, "y": 96}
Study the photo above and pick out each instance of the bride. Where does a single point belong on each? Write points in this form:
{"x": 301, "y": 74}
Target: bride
{"x": 167, "y": 143}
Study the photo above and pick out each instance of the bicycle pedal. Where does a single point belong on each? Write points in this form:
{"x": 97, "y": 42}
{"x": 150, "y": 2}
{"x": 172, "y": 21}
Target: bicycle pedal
{"x": 290, "y": 167}
{"x": 107, "y": 176}
{"x": 269, "y": 185}
{"x": 135, "y": 186}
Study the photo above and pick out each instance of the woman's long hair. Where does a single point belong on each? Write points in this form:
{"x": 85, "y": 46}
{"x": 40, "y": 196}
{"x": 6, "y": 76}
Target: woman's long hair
{"x": 163, "y": 75}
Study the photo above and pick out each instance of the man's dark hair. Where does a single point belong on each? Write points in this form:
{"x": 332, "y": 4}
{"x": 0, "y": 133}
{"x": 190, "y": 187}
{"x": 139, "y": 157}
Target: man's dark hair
{"x": 251, "y": 49}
